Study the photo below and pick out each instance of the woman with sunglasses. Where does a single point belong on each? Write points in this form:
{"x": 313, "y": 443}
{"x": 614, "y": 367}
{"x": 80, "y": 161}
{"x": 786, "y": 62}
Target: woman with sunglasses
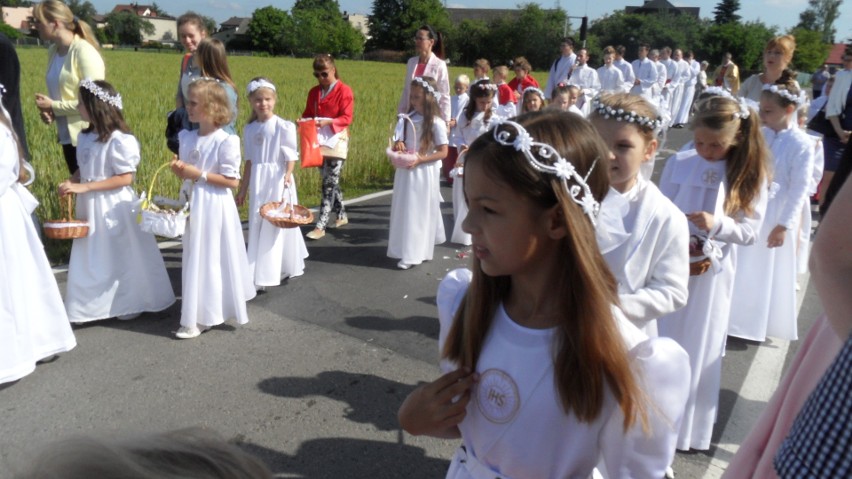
{"x": 429, "y": 62}
{"x": 331, "y": 103}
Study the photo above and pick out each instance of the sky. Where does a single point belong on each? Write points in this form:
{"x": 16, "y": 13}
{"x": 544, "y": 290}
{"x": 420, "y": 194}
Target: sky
{"x": 781, "y": 13}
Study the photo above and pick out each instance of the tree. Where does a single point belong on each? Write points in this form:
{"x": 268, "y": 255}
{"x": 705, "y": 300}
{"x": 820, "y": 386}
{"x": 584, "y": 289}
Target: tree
{"x": 126, "y": 28}
{"x": 745, "y": 42}
{"x": 9, "y": 31}
{"x": 811, "y": 51}
{"x": 676, "y": 31}
{"x": 726, "y": 12}
{"x": 820, "y": 16}
{"x": 319, "y": 27}
{"x": 158, "y": 10}
{"x": 267, "y": 29}
{"x": 392, "y": 23}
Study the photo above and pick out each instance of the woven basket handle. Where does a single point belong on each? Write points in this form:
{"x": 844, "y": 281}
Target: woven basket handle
{"x": 149, "y": 198}
{"x": 68, "y": 206}
{"x": 404, "y": 129}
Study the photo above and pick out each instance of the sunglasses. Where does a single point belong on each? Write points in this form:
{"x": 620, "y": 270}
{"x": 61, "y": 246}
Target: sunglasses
{"x": 321, "y": 74}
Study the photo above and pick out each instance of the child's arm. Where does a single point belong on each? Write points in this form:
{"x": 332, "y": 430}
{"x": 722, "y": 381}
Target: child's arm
{"x": 799, "y": 174}
{"x": 431, "y": 409}
{"x": 439, "y": 154}
{"x": 244, "y": 184}
{"x": 740, "y": 229}
{"x": 185, "y": 171}
{"x": 111, "y": 183}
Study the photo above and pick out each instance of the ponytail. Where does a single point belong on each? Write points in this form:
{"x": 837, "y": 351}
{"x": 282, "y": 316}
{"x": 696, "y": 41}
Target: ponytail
{"x": 56, "y": 11}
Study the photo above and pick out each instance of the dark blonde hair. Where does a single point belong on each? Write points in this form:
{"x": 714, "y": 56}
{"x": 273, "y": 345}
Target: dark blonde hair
{"x": 785, "y": 43}
{"x": 56, "y": 11}
{"x": 430, "y": 111}
{"x": 483, "y": 64}
{"x": 532, "y": 92}
{"x": 479, "y": 89}
{"x": 253, "y": 115}
{"x": 788, "y": 83}
{"x": 103, "y": 117}
{"x": 195, "y": 453}
{"x": 635, "y": 103}
{"x": 590, "y": 356}
{"x": 212, "y": 60}
{"x": 747, "y": 167}
{"x": 522, "y": 63}
{"x": 213, "y": 100}
{"x": 325, "y": 60}
{"x": 193, "y": 18}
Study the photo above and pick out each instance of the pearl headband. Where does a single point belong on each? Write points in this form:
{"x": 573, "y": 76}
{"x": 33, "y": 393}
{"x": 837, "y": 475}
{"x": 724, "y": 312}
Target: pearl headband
{"x": 255, "y": 84}
{"x": 426, "y": 86}
{"x": 608, "y": 112}
{"x": 533, "y": 89}
{"x": 101, "y": 94}
{"x": 544, "y": 158}
{"x": 799, "y": 99}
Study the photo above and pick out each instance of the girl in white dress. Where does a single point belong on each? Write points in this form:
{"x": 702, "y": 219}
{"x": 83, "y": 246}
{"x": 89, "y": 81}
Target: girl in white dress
{"x": 215, "y": 273}
{"x": 764, "y": 299}
{"x": 474, "y": 121}
{"x": 416, "y": 225}
{"x": 117, "y": 270}
{"x": 33, "y": 324}
{"x": 721, "y": 186}
{"x": 544, "y": 377}
{"x": 270, "y": 150}
{"x": 651, "y": 263}
{"x": 564, "y": 97}
{"x": 532, "y": 99}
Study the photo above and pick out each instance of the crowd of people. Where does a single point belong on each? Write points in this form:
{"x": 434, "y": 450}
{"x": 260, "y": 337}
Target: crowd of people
{"x": 587, "y": 334}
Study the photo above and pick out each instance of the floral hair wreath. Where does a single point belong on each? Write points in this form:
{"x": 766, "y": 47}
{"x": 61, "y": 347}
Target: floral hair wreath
{"x": 718, "y": 91}
{"x": 544, "y": 158}
{"x": 114, "y": 100}
{"x": 485, "y": 84}
{"x": 254, "y": 85}
{"x": 426, "y": 86}
{"x": 608, "y": 112}
{"x": 745, "y": 108}
{"x": 533, "y": 89}
{"x": 799, "y": 99}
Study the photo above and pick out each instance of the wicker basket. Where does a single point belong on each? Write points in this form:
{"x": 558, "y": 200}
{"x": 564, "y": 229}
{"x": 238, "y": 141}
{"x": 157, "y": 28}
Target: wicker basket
{"x": 402, "y": 159}
{"x": 293, "y": 215}
{"x": 162, "y": 216}
{"x": 68, "y": 227}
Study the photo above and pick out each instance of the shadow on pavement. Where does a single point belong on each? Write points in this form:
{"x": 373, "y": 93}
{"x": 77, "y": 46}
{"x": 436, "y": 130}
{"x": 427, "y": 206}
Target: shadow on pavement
{"x": 425, "y": 325}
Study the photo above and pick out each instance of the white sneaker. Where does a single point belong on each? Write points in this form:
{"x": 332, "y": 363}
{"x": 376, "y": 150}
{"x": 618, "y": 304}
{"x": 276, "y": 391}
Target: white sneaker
{"x": 669, "y": 473}
{"x": 188, "y": 333}
{"x": 125, "y": 317}
{"x": 402, "y": 265}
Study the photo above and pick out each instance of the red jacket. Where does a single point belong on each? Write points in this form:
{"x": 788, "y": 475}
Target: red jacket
{"x": 337, "y": 105}
{"x": 528, "y": 81}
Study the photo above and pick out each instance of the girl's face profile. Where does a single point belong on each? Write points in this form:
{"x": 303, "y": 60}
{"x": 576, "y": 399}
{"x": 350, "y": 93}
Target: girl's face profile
{"x": 190, "y": 36}
{"x": 628, "y": 148}
{"x": 194, "y": 107}
{"x": 509, "y": 232}
{"x": 416, "y": 98}
{"x": 772, "y": 114}
{"x": 712, "y": 145}
{"x": 263, "y": 103}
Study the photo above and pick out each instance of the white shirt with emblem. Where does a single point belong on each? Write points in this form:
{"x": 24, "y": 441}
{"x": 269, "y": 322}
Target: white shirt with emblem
{"x": 515, "y": 425}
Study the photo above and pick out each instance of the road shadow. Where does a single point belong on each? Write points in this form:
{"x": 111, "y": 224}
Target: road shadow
{"x": 355, "y": 458}
{"x": 426, "y": 325}
{"x": 370, "y": 399}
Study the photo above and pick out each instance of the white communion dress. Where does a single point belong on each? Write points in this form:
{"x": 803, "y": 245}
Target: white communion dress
{"x": 273, "y": 253}
{"x": 468, "y": 131}
{"x": 33, "y": 324}
{"x": 117, "y": 269}
{"x": 216, "y": 278}
{"x": 515, "y": 426}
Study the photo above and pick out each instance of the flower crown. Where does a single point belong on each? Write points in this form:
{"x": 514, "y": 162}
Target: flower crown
{"x": 799, "y": 99}
{"x": 533, "y": 89}
{"x": 544, "y": 158}
{"x": 745, "y": 110}
{"x": 114, "y": 100}
{"x": 255, "y": 84}
{"x": 426, "y": 86}
{"x": 718, "y": 91}
{"x": 485, "y": 84}
{"x": 608, "y": 112}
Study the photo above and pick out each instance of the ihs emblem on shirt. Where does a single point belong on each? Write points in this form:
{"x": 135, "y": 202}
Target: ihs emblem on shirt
{"x": 711, "y": 177}
{"x": 497, "y": 396}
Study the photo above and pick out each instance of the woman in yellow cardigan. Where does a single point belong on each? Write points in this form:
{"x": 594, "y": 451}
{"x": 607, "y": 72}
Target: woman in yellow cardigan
{"x": 72, "y": 57}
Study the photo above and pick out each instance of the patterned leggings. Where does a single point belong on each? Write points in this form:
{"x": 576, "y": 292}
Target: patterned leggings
{"x": 332, "y": 197}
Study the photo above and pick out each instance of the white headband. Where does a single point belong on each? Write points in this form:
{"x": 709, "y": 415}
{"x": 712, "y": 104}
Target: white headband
{"x": 745, "y": 111}
{"x": 544, "y": 158}
{"x": 718, "y": 91}
{"x": 485, "y": 84}
{"x": 255, "y": 84}
{"x": 533, "y": 89}
{"x": 114, "y": 100}
{"x": 799, "y": 99}
{"x": 426, "y": 86}
{"x": 608, "y": 112}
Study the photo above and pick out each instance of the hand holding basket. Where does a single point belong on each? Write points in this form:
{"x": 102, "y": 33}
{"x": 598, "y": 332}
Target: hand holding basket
{"x": 402, "y": 159}
{"x": 162, "y": 216}
{"x": 67, "y": 227}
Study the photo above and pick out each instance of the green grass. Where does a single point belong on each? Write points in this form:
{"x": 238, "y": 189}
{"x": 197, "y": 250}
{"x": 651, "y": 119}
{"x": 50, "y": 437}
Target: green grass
{"x": 148, "y": 82}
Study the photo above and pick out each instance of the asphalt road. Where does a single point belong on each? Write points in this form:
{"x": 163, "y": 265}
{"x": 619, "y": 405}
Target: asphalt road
{"x": 313, "y": 382}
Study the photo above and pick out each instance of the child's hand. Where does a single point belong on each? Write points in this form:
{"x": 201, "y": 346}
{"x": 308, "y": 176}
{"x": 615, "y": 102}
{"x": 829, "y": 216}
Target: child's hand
{"x": 47, "y": 117}
{"x": 430, "y": 408}
{"x": 183, "y": 170}
{"x": 399, "y": 146}
{"x": 288, "y": 180}
{"x": 240, "y": 198}
{"x": 776, "y": 237}
{"x": 68, "y": 187}
{"x": 452, "y": 123}
{"x": 702, "y": 220}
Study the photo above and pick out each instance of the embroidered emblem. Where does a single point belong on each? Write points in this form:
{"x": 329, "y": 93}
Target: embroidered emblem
{"x": 258, "y": 139}
{"x": 194, "y": 156}
{"x": 711, "y": 177}
{"x": 497, "y": 396}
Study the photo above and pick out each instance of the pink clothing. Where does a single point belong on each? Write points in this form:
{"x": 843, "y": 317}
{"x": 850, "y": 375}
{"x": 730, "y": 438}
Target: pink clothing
{"x": 754, "y": 458}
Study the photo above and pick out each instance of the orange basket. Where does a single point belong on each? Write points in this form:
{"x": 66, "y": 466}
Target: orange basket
{"x": 292, "y": 216}
{"x": 67, "y": 227}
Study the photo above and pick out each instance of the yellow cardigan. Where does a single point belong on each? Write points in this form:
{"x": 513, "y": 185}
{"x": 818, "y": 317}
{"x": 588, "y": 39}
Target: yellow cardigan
{"x": 82, "y": 61}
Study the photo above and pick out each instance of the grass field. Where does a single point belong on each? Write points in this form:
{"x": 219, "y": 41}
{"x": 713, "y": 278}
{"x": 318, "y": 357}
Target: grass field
{"x": 148, "y": 82}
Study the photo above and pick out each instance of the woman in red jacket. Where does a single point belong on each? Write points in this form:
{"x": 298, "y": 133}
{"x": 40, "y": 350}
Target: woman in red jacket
{"x": 523, "y": 79}
{"x": 331, "y": 103}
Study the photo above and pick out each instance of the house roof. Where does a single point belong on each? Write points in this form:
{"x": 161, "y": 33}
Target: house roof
{"x": 835, "y": 56}
{"x": 656, "y": 6}
{"x": 140, "y": 10}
